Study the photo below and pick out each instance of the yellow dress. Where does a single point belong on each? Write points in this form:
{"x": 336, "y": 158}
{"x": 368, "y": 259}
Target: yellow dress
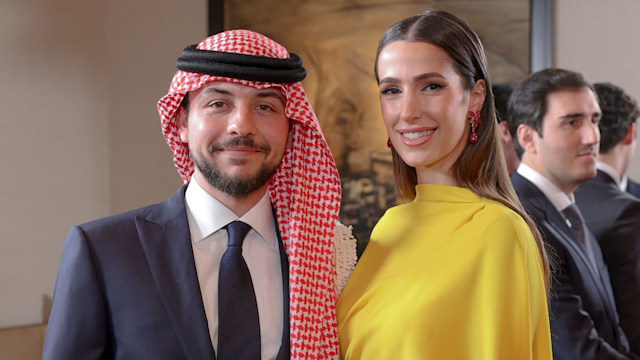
{"x": 450, "y": 275}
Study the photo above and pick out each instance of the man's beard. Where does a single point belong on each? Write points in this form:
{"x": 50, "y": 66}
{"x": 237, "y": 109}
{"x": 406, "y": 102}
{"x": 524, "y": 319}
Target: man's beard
{"x": 235, "y": 186}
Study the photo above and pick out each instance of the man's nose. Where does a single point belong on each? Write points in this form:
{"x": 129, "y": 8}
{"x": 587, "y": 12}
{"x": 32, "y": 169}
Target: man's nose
{"x": 242, "y": 122}
{"x": 591, "y": 134}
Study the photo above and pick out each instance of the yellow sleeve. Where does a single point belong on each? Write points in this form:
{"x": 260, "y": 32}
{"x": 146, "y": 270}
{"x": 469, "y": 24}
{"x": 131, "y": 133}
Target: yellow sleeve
{"x": 512, "y": 321}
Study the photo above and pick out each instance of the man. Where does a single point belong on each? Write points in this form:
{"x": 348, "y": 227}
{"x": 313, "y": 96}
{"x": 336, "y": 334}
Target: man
{"x": 501, "y": 94}
{"x": 612, "y": 214}
{"x": 555, "y": 115}
{"x": 160, "y": 282}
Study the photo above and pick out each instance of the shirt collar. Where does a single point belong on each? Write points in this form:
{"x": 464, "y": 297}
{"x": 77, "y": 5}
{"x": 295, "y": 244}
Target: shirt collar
{"x": 609, "y": 170}
{"x": 624, "y": 182}
{"x": 211, "y": 215}
{"x": 558, "y": 198}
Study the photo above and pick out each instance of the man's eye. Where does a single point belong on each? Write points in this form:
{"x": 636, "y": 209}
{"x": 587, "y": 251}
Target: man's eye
{"x": 216, "y": 104}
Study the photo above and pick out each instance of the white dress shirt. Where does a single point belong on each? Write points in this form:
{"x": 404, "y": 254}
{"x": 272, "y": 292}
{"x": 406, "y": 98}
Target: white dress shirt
{"x": 558, "y": 198}
{"x": 624, "y": 183}
{"x": 207, "y": 217}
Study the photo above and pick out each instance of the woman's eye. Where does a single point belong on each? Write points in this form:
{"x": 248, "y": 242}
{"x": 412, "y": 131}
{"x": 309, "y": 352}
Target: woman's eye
{"x": 432, "y": 86}
{"x": 390, "y": 91}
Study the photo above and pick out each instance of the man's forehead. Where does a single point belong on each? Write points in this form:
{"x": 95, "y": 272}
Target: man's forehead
{"x": 572, "y": 100}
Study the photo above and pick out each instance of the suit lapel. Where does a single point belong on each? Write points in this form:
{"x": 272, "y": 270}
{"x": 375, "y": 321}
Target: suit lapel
{"x": 555, "y": 220}
{"x": 166, "y": 242}
{"x": 605, "y": 281}
{"x": 604, "y": 179}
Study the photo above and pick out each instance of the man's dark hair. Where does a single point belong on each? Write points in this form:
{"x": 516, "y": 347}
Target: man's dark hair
{"x": 528, "y": 102}
{"x": 619, "y": 111}
{"x": 501, "y": 94}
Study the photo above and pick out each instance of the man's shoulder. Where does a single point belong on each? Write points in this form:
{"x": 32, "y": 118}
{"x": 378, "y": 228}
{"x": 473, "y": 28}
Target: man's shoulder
{"x": 522, "y": 186}
{"x": 541, "y": 210}
{"x": 528, "y": 194}
{"x": 121, "y": 221}
{"x": 118, "y": 219}
{"x": 597, "y": 193}
{"x": 600, "y": 184}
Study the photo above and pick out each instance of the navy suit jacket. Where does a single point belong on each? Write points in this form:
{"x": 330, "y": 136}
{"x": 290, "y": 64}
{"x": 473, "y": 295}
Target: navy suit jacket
{"x": 614, "y": 218}
{"x": 583, "y": 317}
{"x": 127, "y": 288}
{"x": 633, "y": 188}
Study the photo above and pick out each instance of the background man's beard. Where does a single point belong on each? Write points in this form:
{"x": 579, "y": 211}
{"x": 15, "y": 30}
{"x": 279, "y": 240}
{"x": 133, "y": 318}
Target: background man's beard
{"x": 232, "y": 185}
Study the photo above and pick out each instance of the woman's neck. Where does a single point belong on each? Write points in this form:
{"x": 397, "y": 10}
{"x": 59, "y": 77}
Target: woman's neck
{"x": 426, "y": 175}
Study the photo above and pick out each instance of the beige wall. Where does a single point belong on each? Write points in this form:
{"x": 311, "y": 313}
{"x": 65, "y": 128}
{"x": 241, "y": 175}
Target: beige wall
{"x": 143, "y": 41}
{"x": 79, "y": 134}
{"x": 600, "y": 39}
{"x": 53, "y": 140}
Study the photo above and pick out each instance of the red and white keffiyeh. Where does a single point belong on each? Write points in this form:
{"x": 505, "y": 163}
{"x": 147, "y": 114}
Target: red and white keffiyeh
{"x": 305, "y": 192}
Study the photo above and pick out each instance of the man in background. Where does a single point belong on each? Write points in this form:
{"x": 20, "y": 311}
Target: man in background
{"x": 612, "y": 214}
{"x": 555, "y": 115}
{"x": 633, "y": 188}
{"x": 501, "y": 94}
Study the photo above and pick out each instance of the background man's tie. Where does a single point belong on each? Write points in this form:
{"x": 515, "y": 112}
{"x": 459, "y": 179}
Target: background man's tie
{"x": 573, "y": 214}
{"x": 238, "y": 322}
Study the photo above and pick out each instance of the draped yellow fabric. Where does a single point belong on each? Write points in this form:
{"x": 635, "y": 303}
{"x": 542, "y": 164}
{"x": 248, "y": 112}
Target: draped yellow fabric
{"x": 450, "y": 275}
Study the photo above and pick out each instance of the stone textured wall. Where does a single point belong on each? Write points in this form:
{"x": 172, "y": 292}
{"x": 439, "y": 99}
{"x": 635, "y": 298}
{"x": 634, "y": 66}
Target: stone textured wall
{"x": 337, "y": 40}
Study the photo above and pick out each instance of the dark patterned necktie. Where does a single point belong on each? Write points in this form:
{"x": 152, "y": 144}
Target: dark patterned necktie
{"x": 238, "y": 322}
{"x": 579, "y": 227}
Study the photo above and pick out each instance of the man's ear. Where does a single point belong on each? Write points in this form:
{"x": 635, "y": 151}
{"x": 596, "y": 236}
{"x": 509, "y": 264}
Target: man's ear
{"x": 630, "y": 135}
{"x": 478, "y": 94}
{"x": 182, "y": 120}
{"x": 505, "y": 135}
{"x": 527, "y": 137}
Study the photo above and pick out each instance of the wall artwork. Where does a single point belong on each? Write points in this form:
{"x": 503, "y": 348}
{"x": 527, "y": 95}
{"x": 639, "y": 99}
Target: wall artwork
{"x": 337, "y": 41}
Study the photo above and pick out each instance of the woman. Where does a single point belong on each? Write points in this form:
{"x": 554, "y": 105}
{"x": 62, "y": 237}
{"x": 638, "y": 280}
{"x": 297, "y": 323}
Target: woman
{"x": 459, "y": 272}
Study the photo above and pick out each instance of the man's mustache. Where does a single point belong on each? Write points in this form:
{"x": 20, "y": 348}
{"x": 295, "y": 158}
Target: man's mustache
{"x": 239, "y": 141}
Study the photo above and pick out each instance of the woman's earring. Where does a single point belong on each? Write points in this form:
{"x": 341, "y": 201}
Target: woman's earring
{"x": 474, "y": 121}
{"x": 389, "y": 143}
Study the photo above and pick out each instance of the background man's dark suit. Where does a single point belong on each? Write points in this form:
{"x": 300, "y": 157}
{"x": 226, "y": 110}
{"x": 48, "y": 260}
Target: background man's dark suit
{"x": 132, "y": 280}
{"x": 633, "y": 188}
{"x": 613, "y": 216}
{"x": 582, "y": 312}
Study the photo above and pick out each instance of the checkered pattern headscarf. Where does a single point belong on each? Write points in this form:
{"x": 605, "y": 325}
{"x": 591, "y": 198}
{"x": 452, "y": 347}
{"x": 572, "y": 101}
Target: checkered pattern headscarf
{"x": 305, "y": 191}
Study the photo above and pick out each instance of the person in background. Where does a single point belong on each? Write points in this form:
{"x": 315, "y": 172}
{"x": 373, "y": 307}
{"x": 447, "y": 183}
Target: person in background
{"x": 459, "y": 271}
{"x": 240, "y": 262}
{"x": 633, "y": 187}
{"x": 612, "y": 214}
{"x": 555, "y": 115}
{"x": 501, "y": 93}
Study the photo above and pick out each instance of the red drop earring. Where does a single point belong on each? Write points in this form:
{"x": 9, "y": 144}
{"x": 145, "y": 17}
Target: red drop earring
{"x": 474, "y": 121}
{"x": 389, "y": 143}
